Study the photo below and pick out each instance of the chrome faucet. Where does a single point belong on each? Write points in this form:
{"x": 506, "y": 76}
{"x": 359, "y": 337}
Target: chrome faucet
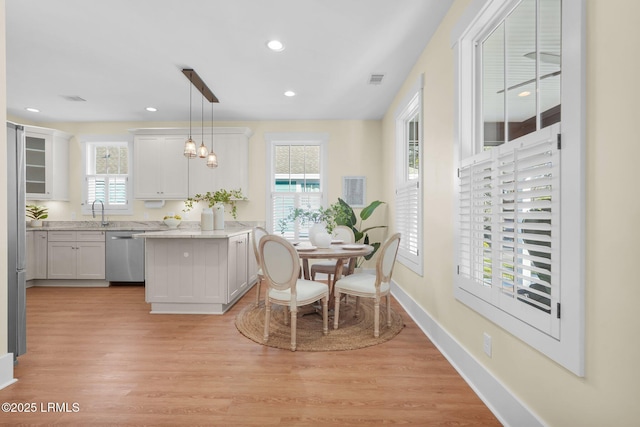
{"x": 93, "y": 212}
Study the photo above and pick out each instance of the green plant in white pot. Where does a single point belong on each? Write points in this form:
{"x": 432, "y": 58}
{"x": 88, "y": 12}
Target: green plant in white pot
{"x": 227, "y": 197}
{"x": 37, "y": 214}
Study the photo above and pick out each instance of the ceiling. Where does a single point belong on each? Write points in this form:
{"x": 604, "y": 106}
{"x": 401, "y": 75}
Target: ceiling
{"x": 122, "y": 56}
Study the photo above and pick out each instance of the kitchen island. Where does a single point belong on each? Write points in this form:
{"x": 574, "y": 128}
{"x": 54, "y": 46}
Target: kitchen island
{"x": 189, "y": 271}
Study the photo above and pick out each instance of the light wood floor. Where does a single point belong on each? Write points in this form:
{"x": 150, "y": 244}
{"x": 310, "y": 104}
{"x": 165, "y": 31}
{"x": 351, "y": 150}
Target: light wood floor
{"x": 99, "y": 348}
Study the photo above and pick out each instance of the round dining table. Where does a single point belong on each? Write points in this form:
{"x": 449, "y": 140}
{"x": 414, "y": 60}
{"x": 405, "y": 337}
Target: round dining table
{"x": 340, "y": 252}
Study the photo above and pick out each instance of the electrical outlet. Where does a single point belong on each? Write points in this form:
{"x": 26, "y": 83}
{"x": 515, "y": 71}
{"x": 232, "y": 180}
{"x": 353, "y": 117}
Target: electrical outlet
{"x": 146, "y": 216}
{"x": 487, "y": 344}
{"x": 73, "y": 216}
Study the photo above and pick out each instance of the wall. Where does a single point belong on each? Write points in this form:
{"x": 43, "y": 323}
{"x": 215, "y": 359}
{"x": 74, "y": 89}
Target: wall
{"x": 3, "y": 191}
{"x": 353, "y": 150}
{"x": 608, "y": 393}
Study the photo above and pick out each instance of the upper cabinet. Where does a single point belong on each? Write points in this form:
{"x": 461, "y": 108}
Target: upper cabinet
{"x": 46, "y": 151}
{"x": 162, "y": 172}
{"x": 160, "y": 169}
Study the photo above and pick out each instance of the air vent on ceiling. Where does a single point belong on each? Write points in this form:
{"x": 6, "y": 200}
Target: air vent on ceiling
{"x": 376, "y": 79}
{"x": 73, "y": 98}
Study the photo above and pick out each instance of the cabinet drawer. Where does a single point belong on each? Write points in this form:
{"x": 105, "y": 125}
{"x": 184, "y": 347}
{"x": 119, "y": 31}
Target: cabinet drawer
{"x": 62, "y": 236}
{"x": 90, "y": 236}
{"x": 76, "y": 236}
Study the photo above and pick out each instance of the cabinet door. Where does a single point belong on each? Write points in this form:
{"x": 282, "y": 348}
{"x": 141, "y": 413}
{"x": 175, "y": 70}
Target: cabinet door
{"x": 161, "y": 170}
{"x": 40, "y": 254}
{"x": 90, "y": 260}
{"x": 30, "y": 253}
{"x": 38, "y": 165}
{"x": 237, "y": 265}
{"x": 61, "y": 258}
{"x": 233, "y": 162}
{"x": 174, "y": 172}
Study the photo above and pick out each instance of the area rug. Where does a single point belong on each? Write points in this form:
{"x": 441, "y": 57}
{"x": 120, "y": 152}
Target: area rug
{"x": 352, "y": 332}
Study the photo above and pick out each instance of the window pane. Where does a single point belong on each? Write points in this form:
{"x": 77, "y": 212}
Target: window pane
{"x": 520, "y": 51}
{"x": 549, "y": 41}
{"x": 413, "y": 148}
{"x": 101, "y": 159}
{"x": 493, "y": 88}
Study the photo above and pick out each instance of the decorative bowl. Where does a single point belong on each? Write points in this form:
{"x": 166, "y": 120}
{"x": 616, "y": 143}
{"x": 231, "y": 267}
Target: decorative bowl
{"x": 172, "y": 222}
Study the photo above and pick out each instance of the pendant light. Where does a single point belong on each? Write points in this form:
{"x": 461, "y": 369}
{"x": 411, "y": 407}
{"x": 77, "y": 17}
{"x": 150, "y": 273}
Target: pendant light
{"x": 202, "y": 150}
{"x": 190, "y": 145}
{"x": 212, "y": 159}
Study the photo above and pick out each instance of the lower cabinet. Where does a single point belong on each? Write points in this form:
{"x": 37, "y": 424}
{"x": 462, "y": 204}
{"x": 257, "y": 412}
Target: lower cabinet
{"x": 76, "y": 255}
{"x": 36, "y": 255}
{"x": 196, "y": 275}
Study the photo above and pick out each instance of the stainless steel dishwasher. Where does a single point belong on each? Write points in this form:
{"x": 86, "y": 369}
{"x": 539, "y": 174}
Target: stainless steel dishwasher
{"x": 125, "y": 257}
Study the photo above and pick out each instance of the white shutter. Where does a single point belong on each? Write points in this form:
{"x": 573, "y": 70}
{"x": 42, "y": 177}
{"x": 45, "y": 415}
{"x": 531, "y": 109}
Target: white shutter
{"x": 509, "y": 245}
{"x": 284, "y": 203}
{"x": 117, "y": 192}
{"x": 111, "y": 189}
{"x": 407, "y": 218}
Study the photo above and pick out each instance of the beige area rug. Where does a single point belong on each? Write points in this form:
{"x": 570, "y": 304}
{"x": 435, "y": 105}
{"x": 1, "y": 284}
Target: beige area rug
{"x": 352, "y": 332}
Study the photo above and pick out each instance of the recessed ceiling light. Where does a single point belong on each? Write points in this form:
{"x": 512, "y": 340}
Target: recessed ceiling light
{"x": 289, "y": 93}
{"x": 275, "y": 45}
{"x": 152, "y": 109}
{"x": 33, "y": 110}
{"x": 525, "y": 93}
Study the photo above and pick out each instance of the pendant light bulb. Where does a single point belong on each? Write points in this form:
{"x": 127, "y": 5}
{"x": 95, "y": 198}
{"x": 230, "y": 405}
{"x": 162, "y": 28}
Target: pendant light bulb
{"x": 212, "y": 158}
{"x": 190, "y": 145}
{"x": 202, "y": 150}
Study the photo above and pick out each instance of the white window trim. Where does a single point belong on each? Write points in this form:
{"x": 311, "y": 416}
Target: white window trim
{"x": 568, "y": 351}
{"x": 86, "y": 139}
{"x": 294, "y": 138}
{"x": 408, "y": 107}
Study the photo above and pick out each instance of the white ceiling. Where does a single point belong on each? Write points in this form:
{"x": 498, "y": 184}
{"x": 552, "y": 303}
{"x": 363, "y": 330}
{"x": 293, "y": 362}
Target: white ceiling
{"x": 124, "y": 55}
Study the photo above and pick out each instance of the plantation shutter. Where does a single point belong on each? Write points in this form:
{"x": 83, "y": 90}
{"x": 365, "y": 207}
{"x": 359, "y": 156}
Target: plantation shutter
{"x": 509, "y": 243}
{"x": 407, "y": 217}
{"x": 284, "y": 203}
{"x": 111, "y": 189}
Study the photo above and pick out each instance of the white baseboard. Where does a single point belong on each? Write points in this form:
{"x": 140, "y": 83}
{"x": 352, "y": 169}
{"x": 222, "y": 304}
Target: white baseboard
{"x": 6, "y": 370}
{"x": 509, "y": 410}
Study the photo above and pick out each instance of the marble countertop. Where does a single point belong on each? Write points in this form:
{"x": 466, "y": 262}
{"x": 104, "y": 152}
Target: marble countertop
{"x": 186, "y": 229}
{"x": 195, "y": 233}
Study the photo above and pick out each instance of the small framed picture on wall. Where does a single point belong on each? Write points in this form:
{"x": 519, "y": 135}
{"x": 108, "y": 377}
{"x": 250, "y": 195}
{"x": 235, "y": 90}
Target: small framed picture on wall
{"x": 354, "y": 190}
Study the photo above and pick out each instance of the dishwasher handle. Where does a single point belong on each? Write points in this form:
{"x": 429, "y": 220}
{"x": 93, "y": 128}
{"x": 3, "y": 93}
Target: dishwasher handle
{"x": 122, "y": 237}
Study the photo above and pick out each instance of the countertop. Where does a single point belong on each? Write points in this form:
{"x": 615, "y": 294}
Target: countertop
{"x": 152, "y": 229}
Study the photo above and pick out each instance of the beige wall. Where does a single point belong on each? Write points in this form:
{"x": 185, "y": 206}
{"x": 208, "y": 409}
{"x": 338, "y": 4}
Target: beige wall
{"x": 354, "y": 149}
{"x": 608, "y": 394}
{"x": 3, "y": 189}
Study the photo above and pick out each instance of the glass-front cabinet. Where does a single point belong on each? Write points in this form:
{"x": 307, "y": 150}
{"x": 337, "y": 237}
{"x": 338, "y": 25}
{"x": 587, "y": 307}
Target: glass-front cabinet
{"x": 46, "y": 164}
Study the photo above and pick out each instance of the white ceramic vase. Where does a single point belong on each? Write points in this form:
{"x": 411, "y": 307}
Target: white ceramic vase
{"x": 218, "y": 216}
{"x": 206, "y": 220}
{"x": 36, "y": 223}
{"x": 319, "y": 237}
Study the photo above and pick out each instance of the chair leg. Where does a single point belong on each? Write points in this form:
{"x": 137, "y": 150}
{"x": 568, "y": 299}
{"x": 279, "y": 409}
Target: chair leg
{"x": 258, "y": 290}
{"x": 388, "y": 310}
{"x": 376, "y": 318}
{"x": 336, "y": 310}
{"x": 325, "y": 315}
{"x": 286, "y": 315}
{"x": 267, "y": 319}
{"x": 294, "y": 320}
{"x": 357, "y": 312}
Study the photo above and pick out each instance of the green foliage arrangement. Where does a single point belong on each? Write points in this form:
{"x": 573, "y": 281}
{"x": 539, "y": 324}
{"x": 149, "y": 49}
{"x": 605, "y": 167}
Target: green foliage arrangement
{"x": 310, "y": 216}
{"x": 344, "y": 215}
{"x": 228, "y": 197}
{"x": 37, "y": 212}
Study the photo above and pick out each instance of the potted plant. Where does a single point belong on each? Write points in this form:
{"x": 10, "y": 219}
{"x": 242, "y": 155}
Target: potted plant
{"x": 322, "y": 222}
{"x": 37, "y": 214}
{"x": 344, "y": 215}
{"x": 228, "y": 197}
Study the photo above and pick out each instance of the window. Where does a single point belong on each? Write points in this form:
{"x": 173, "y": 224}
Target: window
{"x": 408, "y": 179}
{"x": 296, "y": 178}
{"x": 520, "y": 196}
{"x": 107, "y": 169}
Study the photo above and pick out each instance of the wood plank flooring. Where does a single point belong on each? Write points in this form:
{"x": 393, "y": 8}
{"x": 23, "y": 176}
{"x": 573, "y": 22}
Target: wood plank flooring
{"x": 104, "y": 360}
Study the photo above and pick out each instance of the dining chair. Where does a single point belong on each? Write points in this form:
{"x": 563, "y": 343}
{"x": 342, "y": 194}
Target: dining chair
{"x": 257, "y": 235}
{"x": 281, "y": 268}
{"x": 341, "y": 232}
{"x": 369, "y": 286}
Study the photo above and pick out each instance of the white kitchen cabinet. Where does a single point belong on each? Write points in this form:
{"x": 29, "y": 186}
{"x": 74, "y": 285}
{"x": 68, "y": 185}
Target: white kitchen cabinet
{"x": 204, "y": 275}
{"x": 76, "y": 255}
{"x": 160, "y": 168}
{"x": 231, "y": 145}
{"x": 36, "y": 254}
{"x": 237, "y": 265}
{"x": 162, "y": 172}
{"x": 46, "y": 151}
